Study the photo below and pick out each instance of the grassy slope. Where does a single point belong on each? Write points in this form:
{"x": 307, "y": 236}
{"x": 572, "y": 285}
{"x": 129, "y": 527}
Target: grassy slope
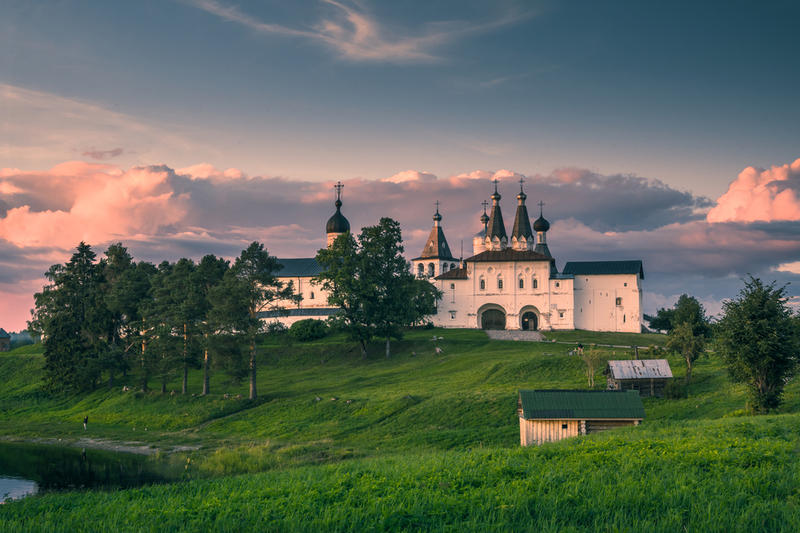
{"x": 435, "y": 440}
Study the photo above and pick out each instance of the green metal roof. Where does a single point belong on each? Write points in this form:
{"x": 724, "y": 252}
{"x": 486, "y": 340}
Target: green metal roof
{"x": 299, "y": 267}
{"x": 561, "y": 404}
{"x": 581, "y": 268}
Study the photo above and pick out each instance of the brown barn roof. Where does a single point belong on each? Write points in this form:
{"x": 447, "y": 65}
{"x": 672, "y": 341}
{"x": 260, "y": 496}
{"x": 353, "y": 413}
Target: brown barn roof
{"x": 456, "y": 273}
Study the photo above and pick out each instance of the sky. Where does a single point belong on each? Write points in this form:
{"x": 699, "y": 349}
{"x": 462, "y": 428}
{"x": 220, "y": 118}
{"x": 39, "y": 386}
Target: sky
{"x": 666, "y": 132}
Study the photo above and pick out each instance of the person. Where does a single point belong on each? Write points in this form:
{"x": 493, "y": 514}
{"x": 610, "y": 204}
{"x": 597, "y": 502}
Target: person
{"x": 580, "y": 349}
{"x": 85, "y": 421}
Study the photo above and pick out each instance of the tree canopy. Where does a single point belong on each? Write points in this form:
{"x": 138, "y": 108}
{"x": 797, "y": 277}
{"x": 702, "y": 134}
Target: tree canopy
{"x": 758, "y": 339}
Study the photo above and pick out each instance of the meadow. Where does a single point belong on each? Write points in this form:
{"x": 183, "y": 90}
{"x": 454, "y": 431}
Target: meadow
{"x": 417, "y": 442}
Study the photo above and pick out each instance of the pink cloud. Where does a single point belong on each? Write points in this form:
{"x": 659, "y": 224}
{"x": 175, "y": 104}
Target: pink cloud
{"x": 761, "y": 195}
{"x": 209, "y": 171}
{"x": 410, "y": 175}
{"x": 102, "y": 203}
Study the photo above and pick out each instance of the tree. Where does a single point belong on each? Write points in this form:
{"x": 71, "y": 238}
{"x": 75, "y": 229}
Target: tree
{"x": 682, "y": 340}
{"x": 372, "y": 284}
{"x": 686, "y": 309}
{"x": 71, "y": 316}
{"x": 758, "y": 340}
{"x": 593, "y": 359}
{"x": 249, "y": 288}
{"x": 209, "y": 273}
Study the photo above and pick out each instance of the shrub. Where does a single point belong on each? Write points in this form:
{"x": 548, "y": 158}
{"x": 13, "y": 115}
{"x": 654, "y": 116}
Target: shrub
{"x": 308, "y": 330}
{"x": 675, "y": 390}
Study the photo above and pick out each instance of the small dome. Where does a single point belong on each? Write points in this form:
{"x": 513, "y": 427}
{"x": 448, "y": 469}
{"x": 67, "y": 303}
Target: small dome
{"x": 484, "y": 218}
{"x": 337, "y": 223}
{"x": 437, "y": 217}
{"x": 541, "y": 224}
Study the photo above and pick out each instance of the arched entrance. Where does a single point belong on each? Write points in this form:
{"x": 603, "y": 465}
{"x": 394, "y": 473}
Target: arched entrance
{"x": 529, "y": 318}
{"x": 493, "y": 317}
{"x": 530, "y": 322}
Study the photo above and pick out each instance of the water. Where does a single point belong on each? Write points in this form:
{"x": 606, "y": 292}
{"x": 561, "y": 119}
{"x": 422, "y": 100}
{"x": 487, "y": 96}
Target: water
{"x": 27, "y": 469}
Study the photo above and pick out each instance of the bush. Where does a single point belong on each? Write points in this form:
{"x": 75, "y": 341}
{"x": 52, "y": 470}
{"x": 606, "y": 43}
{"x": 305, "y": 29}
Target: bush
{"x": 308, "y": 330}
{"x": 675, "y": 390}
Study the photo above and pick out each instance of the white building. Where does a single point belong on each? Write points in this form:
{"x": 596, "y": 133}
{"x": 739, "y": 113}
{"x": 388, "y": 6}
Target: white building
{"x": 503, "y": 285}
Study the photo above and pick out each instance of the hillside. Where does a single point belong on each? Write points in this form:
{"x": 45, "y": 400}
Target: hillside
{"x": 420, "y": 440}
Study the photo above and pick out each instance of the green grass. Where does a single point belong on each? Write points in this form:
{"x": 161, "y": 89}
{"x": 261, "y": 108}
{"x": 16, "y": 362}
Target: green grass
{"x": 419, "y": 441}
{"x": 599, "y": 337}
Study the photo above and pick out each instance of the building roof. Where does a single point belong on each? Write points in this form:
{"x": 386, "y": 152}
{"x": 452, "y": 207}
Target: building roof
{"x": 300, "y": 311}
{"x": 436, "y": 246}
{"x": 496, "y": 227}
{"x": 337, "y": 223}
{"x": 639, "y": 369}
{"x": 522, "y": 222}
{"x": 4, "y": 334}
{"x": 456, "y": 273}
{"x": 299, "y": 267}
{"x": 581, "y": 268}
{"x": 580, "y": 404}
{"x": 508, "y": 254}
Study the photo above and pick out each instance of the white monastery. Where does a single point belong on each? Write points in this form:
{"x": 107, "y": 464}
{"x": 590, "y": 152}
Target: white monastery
{"x": 504, "y": 284}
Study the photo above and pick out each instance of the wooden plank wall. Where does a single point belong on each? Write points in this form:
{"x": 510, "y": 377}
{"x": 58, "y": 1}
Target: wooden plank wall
{"x": 593, "y": 426}
{"x": 646, "y": 387}
{"x": 539, "y": 431}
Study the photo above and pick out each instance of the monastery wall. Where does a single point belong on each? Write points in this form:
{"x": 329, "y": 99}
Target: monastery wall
{"x": 608, "y": 302}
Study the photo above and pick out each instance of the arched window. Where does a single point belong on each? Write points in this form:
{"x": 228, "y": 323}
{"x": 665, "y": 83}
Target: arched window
{"x": 420, "y": 270}
{"x": 453, "y": 265}
{"x": 444, "y": 268}
{"x": 431, "y": 270}
{"x": 483, "y": 284}
{"x": 521, "y": 283}
{"x": 500, "y": 283}
{"x": 535, "y": 283}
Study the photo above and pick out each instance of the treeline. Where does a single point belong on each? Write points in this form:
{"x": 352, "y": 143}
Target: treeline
{"x": 101, "y": 318}
{"x": 758, "y": 337}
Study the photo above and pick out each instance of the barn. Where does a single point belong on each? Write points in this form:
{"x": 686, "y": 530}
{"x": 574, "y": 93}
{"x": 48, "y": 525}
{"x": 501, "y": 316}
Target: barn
{"x": 648, "y": 376}
{"x": 552, "y": 415}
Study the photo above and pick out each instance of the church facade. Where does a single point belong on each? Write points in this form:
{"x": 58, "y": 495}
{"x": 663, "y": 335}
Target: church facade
{"x": 505, "y": 284}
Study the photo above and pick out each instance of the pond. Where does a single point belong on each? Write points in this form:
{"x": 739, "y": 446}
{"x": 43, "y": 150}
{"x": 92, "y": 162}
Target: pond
{"x": 27, "y": 469}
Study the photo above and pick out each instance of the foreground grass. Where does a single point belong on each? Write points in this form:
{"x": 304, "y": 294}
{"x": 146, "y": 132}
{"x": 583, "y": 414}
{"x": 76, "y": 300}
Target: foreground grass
{"x": 729, "y": 475}
{"x": 419, "y": 441}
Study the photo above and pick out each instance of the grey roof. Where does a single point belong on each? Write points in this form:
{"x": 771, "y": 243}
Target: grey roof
{"x": 300, "y": 311}
{"x": 580, "y": 404}
{"x": 522, "y": 223}
{"x": 580, "y": 268}
{"x": 639, "y": 369}
{"x": 543, "y": 249}
{"x": 508, "y": 254}
{"x": 436, "y": 246}
{"x": 299, "y": 267}
{"x": 4, "y": 334}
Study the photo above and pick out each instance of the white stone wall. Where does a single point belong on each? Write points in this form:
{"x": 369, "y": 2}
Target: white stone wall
{"x": 465, "y": 300}
{"x": 608, "y": 302}
{"x": 313, "y": 295}
{"x": 432, "y": 267}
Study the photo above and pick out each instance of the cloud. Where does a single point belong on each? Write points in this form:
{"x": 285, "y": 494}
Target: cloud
{"x": 761, "y": 195}
{"x": 103, "y": 154}
{"x": 163, "y": 214}
{"x": 105, "y": 204}
{"x": 356, "y": 35}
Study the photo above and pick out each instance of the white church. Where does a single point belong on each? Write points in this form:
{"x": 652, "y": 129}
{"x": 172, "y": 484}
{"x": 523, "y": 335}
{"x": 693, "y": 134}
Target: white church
{"x": 505, "y": 284}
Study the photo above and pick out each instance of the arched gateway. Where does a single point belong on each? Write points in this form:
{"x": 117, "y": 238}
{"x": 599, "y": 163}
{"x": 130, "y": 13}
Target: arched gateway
{"x": 492, "y": 317}
{"x": 529, "y": 318}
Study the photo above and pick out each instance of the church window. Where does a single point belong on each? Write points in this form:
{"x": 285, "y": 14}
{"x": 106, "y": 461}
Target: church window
{"x": 535, "y": 283}
{"x": 483, "y": 284}
{"x": 452, "y": 315}
{"x": 420, "y": 270}
{"x": 623, "y": 319}
{"x": 625, "y": 284}
{"x": 558, "y": 284}
{"x": 452, "y": 266}
{"x": 561, "y": 314}
{"x": 452, "y": 285}
{"x": 431, "y": 270}
{"x": 619, "y": 301}
{"x": 500, "y": 283}
{"x": 521, "y": 283}
{"x": 311, "y": 296}
{"x": 444, "y": 267}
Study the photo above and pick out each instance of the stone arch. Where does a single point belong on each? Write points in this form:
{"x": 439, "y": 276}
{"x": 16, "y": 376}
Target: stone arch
{"x": 431, "y": 270}
{"x": 529, "y": 318}
{"x": 420, "y": 269}
{"x": 492, "y": 316}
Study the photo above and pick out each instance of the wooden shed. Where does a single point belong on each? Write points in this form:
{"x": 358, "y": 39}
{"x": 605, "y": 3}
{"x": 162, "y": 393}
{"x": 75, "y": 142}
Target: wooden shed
{"x": 551, "y": 415}
{"x": 648, "y": 376}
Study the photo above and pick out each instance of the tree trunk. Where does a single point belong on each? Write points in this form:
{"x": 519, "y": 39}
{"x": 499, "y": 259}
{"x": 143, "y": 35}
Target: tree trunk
{"x": 388, "y": 352}
{"x": 688, "y": 370}
{"x": 110, "y": 379}
{"x": 363, "y": 349}
{"x": 144, "y": 367}
{"x": 163, "y": 385}
{"x": 185, "y": 362}
{"x": 253, "y": 393}
{"x": 205, "y": 366}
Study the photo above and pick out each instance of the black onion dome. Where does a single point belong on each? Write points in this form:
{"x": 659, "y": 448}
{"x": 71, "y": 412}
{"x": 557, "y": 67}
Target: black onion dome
{"x": 337, "y": 223}
{"x": 541, "y": 224}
